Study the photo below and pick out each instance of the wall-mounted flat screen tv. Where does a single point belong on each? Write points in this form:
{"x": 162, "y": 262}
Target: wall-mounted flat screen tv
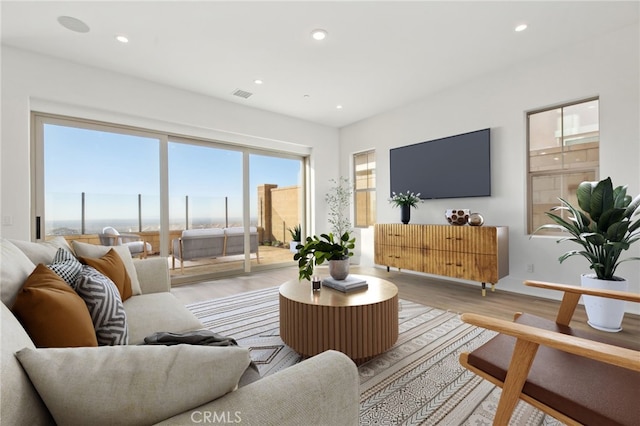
{"x": 452, "y": 167}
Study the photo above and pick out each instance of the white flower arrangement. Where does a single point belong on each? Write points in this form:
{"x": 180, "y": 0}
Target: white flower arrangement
{"x": 408, "y": 199}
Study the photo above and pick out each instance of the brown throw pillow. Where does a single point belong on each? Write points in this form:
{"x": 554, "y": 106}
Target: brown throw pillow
{"x": 112, "y": 266}
{"x": 52, "y": 313}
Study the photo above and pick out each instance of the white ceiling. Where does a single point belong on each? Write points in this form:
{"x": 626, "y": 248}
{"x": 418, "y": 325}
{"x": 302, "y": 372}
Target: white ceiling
{"x": 377, "y": 56}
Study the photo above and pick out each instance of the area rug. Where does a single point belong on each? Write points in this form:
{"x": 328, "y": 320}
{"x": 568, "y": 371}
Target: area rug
{"x": 419, "y": 381}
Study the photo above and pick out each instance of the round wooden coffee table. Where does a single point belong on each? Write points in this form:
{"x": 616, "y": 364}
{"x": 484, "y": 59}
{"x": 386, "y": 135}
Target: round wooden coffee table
{"x": 361, "y": 324}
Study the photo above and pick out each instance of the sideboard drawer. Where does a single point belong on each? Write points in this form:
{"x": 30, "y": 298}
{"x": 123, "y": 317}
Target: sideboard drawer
{"x": 463, "y": 239}
{"x": 400, "y": 257}
{"x": 469, "y": 266}
{"x": 399, "y": 235}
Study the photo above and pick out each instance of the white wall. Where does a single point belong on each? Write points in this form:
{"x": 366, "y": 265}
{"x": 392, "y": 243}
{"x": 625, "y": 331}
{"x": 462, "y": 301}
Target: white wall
{"x": 606, "y": 67}
{"x": 37, "y": 82}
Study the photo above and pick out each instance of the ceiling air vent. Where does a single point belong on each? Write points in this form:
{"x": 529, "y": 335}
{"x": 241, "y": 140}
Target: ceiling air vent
{"x": 242, "y": 93}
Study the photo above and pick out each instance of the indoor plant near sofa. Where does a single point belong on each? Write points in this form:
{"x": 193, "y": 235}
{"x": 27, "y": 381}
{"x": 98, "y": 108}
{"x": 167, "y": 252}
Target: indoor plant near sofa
{"x": 604, "y": 228}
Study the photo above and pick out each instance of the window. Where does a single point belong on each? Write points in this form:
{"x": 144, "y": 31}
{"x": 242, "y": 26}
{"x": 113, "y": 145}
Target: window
{"x": 563, "y": 152}
{"x": 364, "y": 166}
{"x": 91, "y": 175}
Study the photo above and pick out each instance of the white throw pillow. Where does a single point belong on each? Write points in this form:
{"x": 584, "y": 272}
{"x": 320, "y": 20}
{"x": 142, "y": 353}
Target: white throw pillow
{"x": 15, "y": 268}
{"x": 42, "y": 252}
{"x": 131, "y": 385}
{"x": 96, "y": 251}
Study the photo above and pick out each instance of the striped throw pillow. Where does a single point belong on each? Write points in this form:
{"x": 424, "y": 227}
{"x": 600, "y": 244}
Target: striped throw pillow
{"x": 105, "y": 306}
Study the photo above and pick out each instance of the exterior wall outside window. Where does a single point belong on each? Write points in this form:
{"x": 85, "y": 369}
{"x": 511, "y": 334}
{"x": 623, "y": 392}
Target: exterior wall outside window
{"x": 563, "y": 146}
{"x": 365, "y": 188}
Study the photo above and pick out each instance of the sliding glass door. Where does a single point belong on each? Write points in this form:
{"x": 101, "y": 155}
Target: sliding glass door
{"x": 211, "y": 208}
{"x": 96, "y": 179}
{"x": 205, "y": 208}
{"x": 277, "y": 196}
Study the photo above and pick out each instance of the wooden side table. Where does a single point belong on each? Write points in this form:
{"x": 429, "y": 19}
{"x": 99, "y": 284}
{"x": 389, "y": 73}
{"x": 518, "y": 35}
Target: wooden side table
{"x": 362, "y": 324}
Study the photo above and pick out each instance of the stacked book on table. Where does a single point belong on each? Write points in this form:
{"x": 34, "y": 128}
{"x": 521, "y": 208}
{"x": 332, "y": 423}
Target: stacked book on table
{"x": 348, "y": 285}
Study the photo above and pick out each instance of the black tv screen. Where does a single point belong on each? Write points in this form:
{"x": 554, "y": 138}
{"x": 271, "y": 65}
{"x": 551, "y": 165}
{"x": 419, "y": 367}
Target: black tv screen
{"x": 452, "y": 167}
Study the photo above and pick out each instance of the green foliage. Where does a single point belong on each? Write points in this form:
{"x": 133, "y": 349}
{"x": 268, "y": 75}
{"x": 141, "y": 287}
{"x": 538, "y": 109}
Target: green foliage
{"x": 296, "y": 233}
{"x": 408, "y": 199}
{"x": 338, "y": 200}
{"x": 604, "y": 227}
{"x": 316, "y": 250}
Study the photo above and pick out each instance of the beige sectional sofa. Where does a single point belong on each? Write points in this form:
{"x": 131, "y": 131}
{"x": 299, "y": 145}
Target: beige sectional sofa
{"x": 212, "y": 243}
{"x": 145, "y": 384}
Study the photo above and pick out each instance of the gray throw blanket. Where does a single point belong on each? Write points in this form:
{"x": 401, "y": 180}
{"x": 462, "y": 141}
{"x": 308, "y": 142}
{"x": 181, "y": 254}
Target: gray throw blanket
{"x": 202, "y": 337}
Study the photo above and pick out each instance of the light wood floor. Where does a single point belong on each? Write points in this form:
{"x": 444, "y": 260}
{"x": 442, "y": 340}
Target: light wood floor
{"x": 443, "y": 294}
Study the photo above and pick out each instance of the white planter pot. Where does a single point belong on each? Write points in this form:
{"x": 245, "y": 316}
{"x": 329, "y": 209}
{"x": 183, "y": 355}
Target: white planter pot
{"x": 292, "y": 246}
{"x": 602, "y": 313}
{"x": 339, "y": 269}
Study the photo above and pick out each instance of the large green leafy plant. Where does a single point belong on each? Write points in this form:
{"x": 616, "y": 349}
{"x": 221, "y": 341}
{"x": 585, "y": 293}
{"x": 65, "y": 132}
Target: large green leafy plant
{"x": 316, "y": 250}
{"x": 604, "y": 227}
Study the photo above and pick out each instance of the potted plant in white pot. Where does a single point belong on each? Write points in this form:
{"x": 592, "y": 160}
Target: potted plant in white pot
{"x": 604, "y": 228}
{"x": 296, "y": 238}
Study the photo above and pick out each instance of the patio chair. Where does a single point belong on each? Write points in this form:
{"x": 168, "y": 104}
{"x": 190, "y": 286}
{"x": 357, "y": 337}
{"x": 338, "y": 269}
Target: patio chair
{"x": 136, "y": 244}
{"x": 576, "y": 376}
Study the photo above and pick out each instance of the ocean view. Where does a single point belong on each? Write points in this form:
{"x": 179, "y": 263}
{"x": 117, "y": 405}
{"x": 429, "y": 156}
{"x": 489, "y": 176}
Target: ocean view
{"x": 74, "y": 227}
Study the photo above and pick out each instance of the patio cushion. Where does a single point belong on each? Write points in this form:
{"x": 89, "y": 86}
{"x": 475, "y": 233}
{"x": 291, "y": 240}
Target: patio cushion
{"x": 207, "y": 232}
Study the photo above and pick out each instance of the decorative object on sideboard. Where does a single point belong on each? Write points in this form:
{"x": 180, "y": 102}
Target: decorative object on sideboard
{"x": 405, "y": 202}
{"x": 606, "y": 225}
{"x": 457, "y": 216}
{"x": 475, "y": 219}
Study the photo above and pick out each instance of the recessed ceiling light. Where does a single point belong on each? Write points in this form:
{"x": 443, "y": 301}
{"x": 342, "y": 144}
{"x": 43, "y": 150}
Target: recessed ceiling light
{"x": 521, "y": 28}
{"x": 338, "y": 106}
{"x": 319, "y": 34}
{"x": 306, "y": 96}
{"x": 122, "y": 39}
{"x": 73, "y": 24}
{"x": 258, "y": 81}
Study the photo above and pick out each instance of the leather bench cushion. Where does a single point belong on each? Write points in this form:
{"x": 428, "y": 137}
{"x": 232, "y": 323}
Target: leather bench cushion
{"x": 588, "y": 391}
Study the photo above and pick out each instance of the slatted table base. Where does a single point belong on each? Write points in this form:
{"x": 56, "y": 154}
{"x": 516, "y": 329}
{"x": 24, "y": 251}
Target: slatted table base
{"x": 361, "y": 331}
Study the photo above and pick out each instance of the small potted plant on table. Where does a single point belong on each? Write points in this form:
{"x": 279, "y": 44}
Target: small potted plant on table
{"x": 316, "y": 250}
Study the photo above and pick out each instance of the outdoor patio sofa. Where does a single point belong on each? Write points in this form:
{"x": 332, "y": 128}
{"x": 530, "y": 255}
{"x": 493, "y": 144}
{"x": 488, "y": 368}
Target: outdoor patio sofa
{"x": 141, "y": 384}
{"x": 212, "y": 243}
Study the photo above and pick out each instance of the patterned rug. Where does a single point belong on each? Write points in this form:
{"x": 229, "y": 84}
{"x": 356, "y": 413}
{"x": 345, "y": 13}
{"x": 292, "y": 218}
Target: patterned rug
{"x": 419, "y": 381}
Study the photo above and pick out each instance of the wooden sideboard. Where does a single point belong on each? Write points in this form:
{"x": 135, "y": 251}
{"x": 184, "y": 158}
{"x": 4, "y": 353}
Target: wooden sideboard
{"x": 476, "y": 253}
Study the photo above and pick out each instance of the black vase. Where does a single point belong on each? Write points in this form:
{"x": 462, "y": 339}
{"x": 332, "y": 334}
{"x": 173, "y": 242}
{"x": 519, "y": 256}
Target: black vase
{"x": 405, "y": 214}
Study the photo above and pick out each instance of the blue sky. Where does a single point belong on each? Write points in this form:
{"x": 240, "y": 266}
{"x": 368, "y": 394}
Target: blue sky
{"x": 113, "y": 168}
